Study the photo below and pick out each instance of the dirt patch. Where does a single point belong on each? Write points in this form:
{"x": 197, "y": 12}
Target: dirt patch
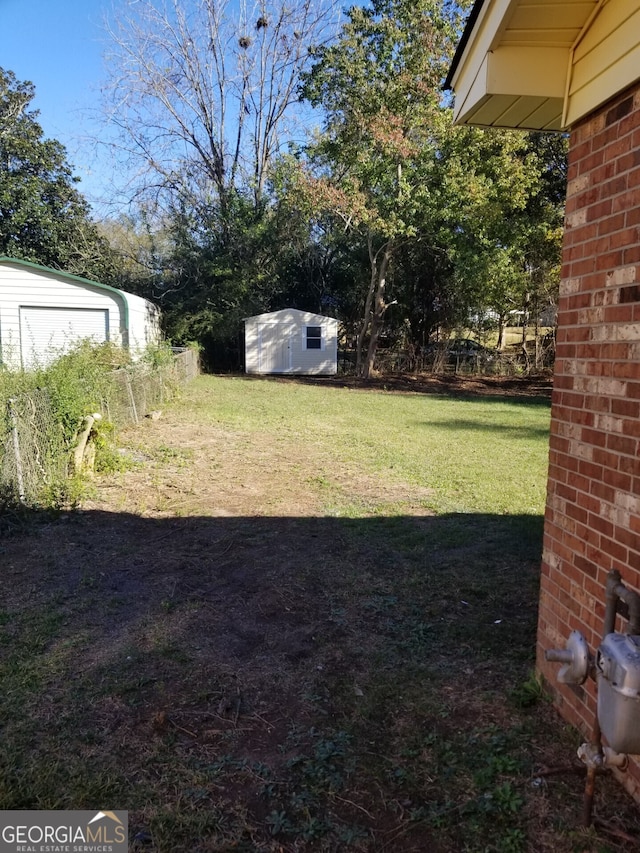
{"x": 455, "y": 384}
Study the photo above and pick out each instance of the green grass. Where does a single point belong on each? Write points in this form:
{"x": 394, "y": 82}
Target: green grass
{"x": 356, "y": 678}
{"x": 484, "y": 455}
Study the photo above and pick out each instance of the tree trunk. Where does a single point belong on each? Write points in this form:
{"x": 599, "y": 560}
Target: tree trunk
{"x": 379, "y": 308}
{"x": 502, "y": 320}
{"x": 368, "y": 303}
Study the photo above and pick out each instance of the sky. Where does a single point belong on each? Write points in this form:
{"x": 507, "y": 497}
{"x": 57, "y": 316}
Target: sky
{"x": 58, "y": 46}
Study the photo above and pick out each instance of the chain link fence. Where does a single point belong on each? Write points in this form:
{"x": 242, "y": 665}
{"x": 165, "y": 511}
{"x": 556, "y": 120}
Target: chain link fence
{"x": 34, "y": 458}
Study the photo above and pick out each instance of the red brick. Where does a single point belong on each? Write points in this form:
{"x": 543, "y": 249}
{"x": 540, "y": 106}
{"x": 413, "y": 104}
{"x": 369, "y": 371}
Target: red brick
{"x": 623, "y": 202}
{"x": 618, "y": 314}
{"x": 628, "y": 464}
{"x": 574, "y": 400}
{"x": 611, "y": 224}
{"x": 599, "y": 368}
{"x": 600, "y": 210}
{"x": 631, "y": 428}
{"x": 611, "y": 260}
{"x": 634, "y": 178}
{"x": 613, "y": 187}
{"x": 601, "y": 490}
{"x": 628, "y": 161}
{"x": 577, "y": 300}
{"x": 633, "y": 390}
{"x": 622, "y": 444}
{"x": 619, "y": 480}
{"x": 557, "y": 473}
{"x": 594, "y": 447}
{"x": 602, "y": 525}
{"x": 626, "y": 370}
{"x": 628, "y": 408}
{"x": 627, "y": 538}
{"x": 590, "y": 161}
{"x": 615, "y": 549}
{"x": 603, "y": 457}
{"x": 589, "y": 470}
{"x": 595, "y": 437}
{"x": 628, "y": 236}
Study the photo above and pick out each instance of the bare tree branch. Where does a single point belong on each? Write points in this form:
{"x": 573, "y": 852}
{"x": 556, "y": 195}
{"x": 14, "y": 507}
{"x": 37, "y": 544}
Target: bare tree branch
{"x": 204, "y": 92}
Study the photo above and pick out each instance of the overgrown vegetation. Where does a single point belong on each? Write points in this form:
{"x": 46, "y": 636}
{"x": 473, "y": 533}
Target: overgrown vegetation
{"x": 42, "y": 413}
{"x": 305, "y": 621}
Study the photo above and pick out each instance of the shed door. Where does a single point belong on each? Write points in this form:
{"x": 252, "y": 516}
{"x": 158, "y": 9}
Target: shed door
{"x": 275, "y": 348}
{"x": 46, "y": 332}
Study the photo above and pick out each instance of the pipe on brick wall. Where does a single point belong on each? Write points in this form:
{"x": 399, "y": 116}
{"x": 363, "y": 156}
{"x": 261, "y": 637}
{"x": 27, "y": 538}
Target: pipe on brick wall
{"x": 615, "y": 591}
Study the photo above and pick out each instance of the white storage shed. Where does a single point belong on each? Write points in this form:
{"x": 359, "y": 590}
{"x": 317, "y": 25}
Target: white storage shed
{"x": 291, "y": 341}
{"x": 43, "y": 311}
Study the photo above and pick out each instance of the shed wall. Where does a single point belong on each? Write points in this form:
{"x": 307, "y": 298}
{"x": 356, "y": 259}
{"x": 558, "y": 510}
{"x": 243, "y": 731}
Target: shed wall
{"x": 276, "y": 343}
{"x": 592, "y": 521}
{"x": 21, "y": 286}
{"x": 144, "y": 324}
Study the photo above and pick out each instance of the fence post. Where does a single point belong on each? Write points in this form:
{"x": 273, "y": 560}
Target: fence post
{"x": 132, "y": 400}
{"x": 16, "y": 448}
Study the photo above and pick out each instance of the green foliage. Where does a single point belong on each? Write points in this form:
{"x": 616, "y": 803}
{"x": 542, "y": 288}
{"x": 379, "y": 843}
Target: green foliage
{"x": 530, "y": 692}
{"x": 439, "y": 223}
{"x": 455, "y": 219}
{"x": 108, "y": 460}
{"x": 159, "y": 355}
{"x": 43, "y": 217}
{"x": 214, "y": 277}
{"x": 78, "y": 382}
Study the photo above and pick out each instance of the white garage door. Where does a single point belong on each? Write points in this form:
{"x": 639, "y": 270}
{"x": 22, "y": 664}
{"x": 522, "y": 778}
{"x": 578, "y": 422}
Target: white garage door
{"x": 46, "y": 332}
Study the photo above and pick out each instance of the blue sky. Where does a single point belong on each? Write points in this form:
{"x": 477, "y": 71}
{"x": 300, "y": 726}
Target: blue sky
{"x": 58, "y": 46}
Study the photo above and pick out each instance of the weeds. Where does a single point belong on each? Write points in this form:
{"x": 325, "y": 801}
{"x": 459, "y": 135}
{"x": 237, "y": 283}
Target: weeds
{"x": 44, "y": 412}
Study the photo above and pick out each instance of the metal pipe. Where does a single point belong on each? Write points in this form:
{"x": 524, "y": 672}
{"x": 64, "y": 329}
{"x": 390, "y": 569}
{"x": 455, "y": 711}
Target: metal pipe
{"x": 590, "y": 784}
{"x": 558, "y": 656}
{"x": 632, "y": 600}
{"x": 611, "y": 598}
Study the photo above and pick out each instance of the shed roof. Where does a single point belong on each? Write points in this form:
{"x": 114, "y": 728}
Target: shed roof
{"x": 74, "y": 279}
{"x": 291, "y": 313}
{"x": 514, "y": 66}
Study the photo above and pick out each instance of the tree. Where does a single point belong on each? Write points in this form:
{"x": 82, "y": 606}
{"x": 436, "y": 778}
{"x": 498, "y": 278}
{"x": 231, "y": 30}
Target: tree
{"x": 456, "y": 221}
{"x": 204, "y": 94}
{"x": 390, "y": 164}
{"x": 379, "y": 87}
{"x": 43, "y": 217}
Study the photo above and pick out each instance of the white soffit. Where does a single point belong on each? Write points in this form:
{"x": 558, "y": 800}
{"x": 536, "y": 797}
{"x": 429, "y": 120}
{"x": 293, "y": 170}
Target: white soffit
{"x": 512, "y": 66}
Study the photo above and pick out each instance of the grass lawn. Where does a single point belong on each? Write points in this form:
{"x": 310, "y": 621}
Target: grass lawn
{"x": 304, "y": 619}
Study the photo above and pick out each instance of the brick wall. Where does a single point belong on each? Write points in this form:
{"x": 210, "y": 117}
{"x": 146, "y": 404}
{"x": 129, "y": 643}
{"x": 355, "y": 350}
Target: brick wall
{"x": 592, "y": 521}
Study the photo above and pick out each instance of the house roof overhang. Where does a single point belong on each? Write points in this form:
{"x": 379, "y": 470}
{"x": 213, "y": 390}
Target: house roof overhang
{"x": 513, "y": 64}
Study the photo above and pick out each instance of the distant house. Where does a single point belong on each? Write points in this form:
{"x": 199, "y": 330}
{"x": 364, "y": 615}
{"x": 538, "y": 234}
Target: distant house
{"x": 44, "y": 311}
{"x": 291, "y": 341}
{"x": 575, "y": 66}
